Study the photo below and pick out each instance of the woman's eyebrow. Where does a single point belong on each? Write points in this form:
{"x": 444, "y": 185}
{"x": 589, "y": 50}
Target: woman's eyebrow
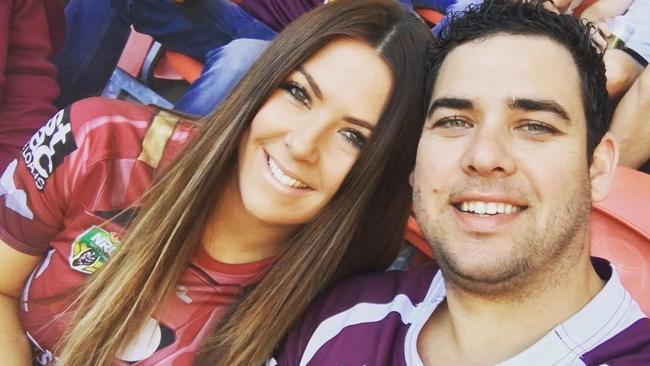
{"x": 359, "y": 122}
{"x": 314, "y": 86}
{"x": 311, "y": 81}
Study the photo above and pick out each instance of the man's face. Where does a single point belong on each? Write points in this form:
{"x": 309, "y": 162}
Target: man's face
{"x": 501, "y": 182}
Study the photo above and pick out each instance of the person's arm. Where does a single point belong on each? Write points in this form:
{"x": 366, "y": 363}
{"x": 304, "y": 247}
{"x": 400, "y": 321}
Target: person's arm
{"x": 631, "y": 123}
{"x": 14, "y": 346}
{"x": 28, "y": 84}
{"x": 31, "y": 213}
{"x": 5, "y": 19}
{"x": 16, "y": 267}
{"x": 603, "y": 9}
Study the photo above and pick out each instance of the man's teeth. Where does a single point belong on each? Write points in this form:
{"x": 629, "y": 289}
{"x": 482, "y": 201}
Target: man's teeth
{"x": 279, "y": 175}
{"x": 489, "y": 208}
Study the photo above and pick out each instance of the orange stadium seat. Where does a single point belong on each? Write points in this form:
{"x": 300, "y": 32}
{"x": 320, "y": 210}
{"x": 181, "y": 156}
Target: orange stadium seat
{"x": 177, "y": 66}
{"x": 134, "y": 70}
{"x": 583, "y": 5}
{"x": 620, "y": 232}
{"x": 432, "y": 17}
{"x": 142, "y": 62}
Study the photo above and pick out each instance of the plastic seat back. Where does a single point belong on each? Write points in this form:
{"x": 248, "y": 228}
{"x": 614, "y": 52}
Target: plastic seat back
{"x": 620, "y": 232}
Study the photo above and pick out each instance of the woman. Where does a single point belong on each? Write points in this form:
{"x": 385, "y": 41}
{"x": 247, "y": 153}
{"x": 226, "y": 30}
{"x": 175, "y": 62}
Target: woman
{"x": 297, "y": 180}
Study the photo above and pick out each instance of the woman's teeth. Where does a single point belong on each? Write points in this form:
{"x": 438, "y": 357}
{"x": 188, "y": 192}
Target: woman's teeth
{"x": 284, "y": 179}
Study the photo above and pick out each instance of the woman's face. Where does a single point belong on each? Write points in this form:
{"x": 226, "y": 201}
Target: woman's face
{"x": 305, "y": 138}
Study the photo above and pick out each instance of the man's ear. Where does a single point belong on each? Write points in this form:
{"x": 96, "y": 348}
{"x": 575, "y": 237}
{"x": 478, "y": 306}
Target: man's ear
{"x": 411, "y": 177}
{"x": 603, "y": 167}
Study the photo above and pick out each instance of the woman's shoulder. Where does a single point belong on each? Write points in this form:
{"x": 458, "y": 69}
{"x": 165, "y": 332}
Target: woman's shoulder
{"x": 108, "y": 128}
{"x": 88, "y": 114}
{"x": 99, "y": 153}
{"x": 100, "y": 106}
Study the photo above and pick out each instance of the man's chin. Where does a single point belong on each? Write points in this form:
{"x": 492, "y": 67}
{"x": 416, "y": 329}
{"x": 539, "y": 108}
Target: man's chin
{"x": 483, "y": 277}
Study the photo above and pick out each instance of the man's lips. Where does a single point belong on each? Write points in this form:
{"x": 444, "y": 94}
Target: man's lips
{"x": 487, "y": 212}
{"x": 488, "y": 207}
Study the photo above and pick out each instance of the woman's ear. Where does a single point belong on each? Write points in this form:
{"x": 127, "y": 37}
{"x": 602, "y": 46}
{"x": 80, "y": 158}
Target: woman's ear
{"x": 603, "y": 167}
{"x": 411, "y": 179}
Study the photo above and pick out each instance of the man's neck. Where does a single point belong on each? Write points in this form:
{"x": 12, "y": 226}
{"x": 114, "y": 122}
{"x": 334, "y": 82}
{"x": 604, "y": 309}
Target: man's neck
{"x": 473, "y": 330}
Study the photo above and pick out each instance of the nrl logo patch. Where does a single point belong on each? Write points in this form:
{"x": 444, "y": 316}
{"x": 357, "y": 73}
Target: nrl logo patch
{"x": 92, "y": 249}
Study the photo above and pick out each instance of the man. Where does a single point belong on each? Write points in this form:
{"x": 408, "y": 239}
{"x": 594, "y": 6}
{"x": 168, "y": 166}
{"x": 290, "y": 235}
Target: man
{"x": 513, "y": 153}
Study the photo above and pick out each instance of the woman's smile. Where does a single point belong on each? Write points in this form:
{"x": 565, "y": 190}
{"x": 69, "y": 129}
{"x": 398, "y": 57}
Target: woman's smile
{"x": 285, "y": 182}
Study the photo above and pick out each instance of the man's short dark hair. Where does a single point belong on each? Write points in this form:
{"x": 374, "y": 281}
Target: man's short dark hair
{"x": 515, "y": 17}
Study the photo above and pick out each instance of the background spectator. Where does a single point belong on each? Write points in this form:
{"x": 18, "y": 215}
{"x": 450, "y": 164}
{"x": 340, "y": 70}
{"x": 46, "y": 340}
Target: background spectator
{"x": 27, "y": 79}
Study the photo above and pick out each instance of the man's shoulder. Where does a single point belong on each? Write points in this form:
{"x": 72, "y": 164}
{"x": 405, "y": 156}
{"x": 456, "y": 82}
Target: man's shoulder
{"x": 379, "y": 287}
{"x": 390, "y": 291}
{"x": 631, "y": 346}
{"x": 362, "y": 319}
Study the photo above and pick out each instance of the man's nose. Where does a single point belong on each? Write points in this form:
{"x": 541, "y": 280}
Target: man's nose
{"x": 489, "y": 153}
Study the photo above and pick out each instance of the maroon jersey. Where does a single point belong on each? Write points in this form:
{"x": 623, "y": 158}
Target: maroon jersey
{"x": 90, "y": 162}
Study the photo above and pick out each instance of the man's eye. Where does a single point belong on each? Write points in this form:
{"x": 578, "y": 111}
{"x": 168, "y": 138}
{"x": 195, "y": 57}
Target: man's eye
{"x": 537, "y": 128}
{"x": 452, "y": 122}
{"x": 354, "y": 137}
{"x": 297, "y": 92}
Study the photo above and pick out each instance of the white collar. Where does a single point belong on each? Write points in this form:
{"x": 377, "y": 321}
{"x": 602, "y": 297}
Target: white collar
{"x": 607, "y": 314}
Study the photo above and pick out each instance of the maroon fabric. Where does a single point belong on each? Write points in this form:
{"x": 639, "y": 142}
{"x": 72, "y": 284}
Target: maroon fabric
{"x": 55, "y": 22}
{"x": 278, "y": 13}
{"x": 27, "y": 79}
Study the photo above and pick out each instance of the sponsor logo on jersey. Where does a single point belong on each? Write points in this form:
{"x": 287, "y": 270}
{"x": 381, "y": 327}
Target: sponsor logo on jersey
{"x": 92, "y": 249}
{"x": 15, "y": 199}
{"x": 48, "y": 147}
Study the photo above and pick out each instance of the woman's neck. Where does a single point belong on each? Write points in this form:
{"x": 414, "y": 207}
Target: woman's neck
{"x": 232, "y": 235}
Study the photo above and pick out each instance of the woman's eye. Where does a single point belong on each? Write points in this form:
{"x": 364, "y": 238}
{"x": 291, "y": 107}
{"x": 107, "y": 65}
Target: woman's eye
{"x": 452, "y": 122}
{"x": 354, "y": 137}
{"x": 297, "y": 92}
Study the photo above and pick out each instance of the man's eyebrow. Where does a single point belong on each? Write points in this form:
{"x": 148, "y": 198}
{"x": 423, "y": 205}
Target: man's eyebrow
{"x": 454, "y": 103}
{"x": 359, "y": 122}
{"x": 311, "y": 81}
{"x": 541, "y": 106}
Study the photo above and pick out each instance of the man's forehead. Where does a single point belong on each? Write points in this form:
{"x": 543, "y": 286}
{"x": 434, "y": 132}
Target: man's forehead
{"x": 503, "y": 67}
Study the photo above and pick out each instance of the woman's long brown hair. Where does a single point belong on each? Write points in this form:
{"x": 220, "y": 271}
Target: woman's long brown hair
{"x": 360, "y": 229}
